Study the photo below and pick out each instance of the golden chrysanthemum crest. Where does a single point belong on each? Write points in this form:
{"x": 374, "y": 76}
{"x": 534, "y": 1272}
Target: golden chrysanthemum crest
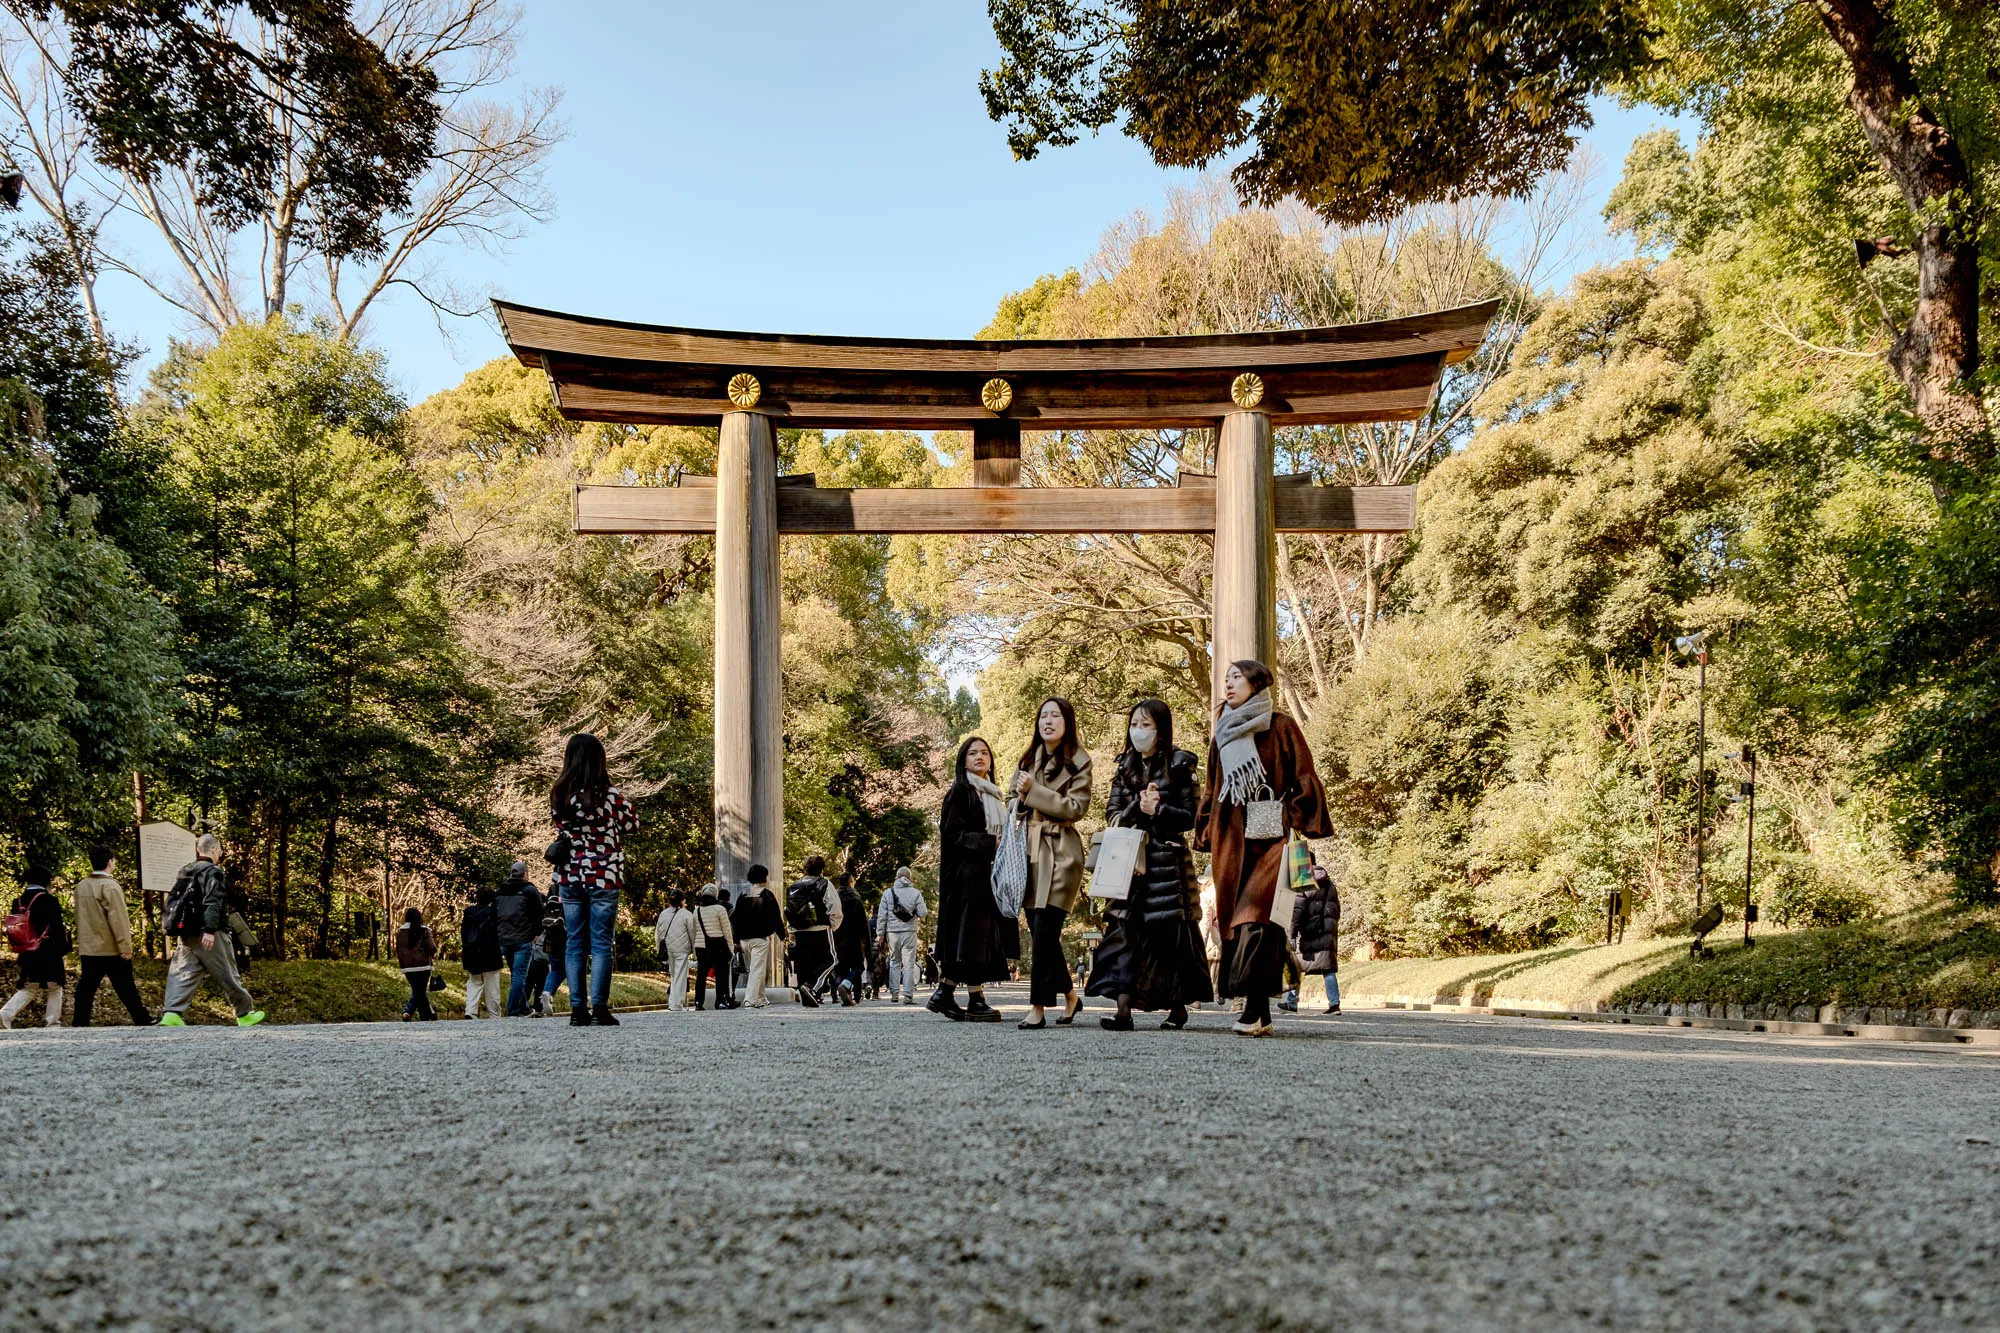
{"x": 1247, "y": 389}
{"x": 996, "y": 393}
{"x": 744, "y": 390}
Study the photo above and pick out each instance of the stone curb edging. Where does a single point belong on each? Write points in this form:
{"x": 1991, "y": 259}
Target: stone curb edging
{"x": 1506, "y": 1008}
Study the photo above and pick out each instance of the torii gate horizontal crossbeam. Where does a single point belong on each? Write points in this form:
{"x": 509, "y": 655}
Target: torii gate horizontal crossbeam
{"x": 806, "y": 509}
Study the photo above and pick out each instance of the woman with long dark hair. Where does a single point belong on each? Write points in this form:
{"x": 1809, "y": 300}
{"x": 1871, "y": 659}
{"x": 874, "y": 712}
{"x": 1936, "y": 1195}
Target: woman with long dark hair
{"x": 416, "y": 955}
{"x": 1151, "y": 956}
{"x": 974, "y": 941}
{"x": 1052, "y": 782}
{"x": 1255, "y": 754}
{"x": 595, "y": 819}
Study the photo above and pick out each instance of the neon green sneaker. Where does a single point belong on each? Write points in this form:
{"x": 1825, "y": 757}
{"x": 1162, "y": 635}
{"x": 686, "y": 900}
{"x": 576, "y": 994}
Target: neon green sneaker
{"x": 172, "y": 1020}
{"x": 251, "y": 1019}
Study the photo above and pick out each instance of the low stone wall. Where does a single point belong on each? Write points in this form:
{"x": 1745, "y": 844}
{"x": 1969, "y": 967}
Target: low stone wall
{"x": 1961, "y": 1026}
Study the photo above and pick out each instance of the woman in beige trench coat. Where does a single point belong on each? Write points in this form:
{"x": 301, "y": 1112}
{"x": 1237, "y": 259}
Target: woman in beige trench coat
{"x": 1053, "y": 784}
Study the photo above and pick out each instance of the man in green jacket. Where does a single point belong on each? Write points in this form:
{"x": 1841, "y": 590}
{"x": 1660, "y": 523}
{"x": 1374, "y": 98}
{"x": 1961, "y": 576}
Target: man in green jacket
{"x": 205, "y": 947}
{"x": 104, "y": 941}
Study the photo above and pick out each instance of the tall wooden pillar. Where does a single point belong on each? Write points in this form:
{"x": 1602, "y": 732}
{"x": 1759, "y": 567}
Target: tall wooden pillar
{"x": 1244, "y": 584}
{"x": 749, "y": 723}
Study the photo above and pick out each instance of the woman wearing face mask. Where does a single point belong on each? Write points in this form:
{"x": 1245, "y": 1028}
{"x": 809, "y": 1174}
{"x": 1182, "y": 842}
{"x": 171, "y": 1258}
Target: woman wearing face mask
{"x": 974, "y": 941}
{"x": 1152, "y": 956}
{"x": 1256, "y": 753}
{"x": 1053, "y": 782}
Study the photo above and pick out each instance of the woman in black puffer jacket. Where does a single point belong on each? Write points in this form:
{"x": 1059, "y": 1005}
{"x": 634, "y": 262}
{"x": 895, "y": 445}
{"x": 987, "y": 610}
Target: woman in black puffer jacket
{"x": 1152, "y": 955}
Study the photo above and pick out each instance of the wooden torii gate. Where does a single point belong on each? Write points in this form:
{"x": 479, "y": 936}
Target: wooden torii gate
{"x": 752, "y": 383}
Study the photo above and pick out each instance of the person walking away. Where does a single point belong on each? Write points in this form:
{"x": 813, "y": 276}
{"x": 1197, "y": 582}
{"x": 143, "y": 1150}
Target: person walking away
{"x": 596, "y": 818}
{"x": 813, "y": 911}
{"x": 517, "y": 910}
{"x": 973, "y": 941}
{"x": 674, "y": 934}
{"x": 754, "y": 922}
{"x": 850, "y": 943}
{"x": 717, "y": 945}
{"x": 40, "y": 939}
{"x": 1053, "y": 782}
{"x": 196, "y": 916}
{"x": 1316, "y": 933}
{"x": 416, "y": 955}
{"x": 1254, "y": 747}
{"x": 104, "y": 941}
{"x": 1151, "y": 955}
{"x": 896, "y": 918}
{"x": 555, "y": 955}
{"x": 479, "y": 950}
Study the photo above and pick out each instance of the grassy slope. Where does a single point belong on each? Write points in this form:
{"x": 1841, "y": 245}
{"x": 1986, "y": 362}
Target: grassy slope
{"x": 1938, "y": 958}
{"x": 337, "y": 992}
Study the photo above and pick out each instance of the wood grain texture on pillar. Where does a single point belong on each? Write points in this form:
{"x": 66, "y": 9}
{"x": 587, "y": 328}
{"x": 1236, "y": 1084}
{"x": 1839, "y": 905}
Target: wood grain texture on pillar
{"x": 1244, "y": 585}
{"x": 749, "y": 740}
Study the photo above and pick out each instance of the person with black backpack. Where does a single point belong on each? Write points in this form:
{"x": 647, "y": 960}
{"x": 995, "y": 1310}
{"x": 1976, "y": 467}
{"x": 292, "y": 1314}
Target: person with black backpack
{"x": 40, "y": 938}
{"x": 754, "y": 922}
{"x": 197, "y": 918}
{"x": 812, "y": 910}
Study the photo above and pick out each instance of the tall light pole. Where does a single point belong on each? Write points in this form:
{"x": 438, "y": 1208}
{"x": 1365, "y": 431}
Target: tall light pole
{"x": 1696, "y": 644}
{"x": 1747, "y": 794}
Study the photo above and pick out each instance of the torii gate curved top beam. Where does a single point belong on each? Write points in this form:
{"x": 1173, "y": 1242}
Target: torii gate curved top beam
{"x": 646, "y": 374}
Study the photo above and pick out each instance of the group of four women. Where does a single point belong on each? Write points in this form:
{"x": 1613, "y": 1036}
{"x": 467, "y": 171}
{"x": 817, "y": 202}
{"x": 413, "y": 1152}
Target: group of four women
{"x": 1151, "y": 955}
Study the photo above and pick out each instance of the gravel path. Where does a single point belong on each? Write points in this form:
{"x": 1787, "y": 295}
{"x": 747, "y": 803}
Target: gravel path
{"x": 882, "y": 1169}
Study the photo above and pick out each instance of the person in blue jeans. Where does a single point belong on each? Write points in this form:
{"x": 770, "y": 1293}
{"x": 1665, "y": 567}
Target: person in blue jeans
{"x": 594, "y": 818}
{"x": 519, "y": 905}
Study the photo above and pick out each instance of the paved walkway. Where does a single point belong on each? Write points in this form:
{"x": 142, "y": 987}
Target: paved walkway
{"x": 882, "y": 1169}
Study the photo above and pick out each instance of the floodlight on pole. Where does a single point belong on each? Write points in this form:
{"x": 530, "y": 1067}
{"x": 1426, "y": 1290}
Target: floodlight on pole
{"x": 1696, "y": 645}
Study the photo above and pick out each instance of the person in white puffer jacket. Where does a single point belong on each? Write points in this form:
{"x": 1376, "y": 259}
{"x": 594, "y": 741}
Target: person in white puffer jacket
{"x": 674, "y": 933}
{"x": 896, "y": 918}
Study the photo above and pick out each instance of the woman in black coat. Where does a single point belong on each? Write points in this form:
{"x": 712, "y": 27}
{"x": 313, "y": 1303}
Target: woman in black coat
{"x": 974, "y": 941}
{"x": 1151, "y": 956}
{"x": 1316, "y": 933}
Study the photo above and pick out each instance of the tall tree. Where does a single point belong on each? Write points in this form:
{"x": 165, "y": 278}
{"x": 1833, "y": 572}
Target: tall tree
{"x": 368, "y": 138}
{"x": 86, "y": 669}
{"x": 328, "y": 691}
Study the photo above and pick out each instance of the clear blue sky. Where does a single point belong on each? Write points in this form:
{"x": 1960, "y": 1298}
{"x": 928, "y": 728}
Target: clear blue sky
{"x": 781, "y": 164}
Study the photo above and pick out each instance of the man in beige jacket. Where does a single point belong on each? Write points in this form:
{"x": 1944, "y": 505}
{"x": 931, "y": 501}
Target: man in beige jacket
{"x": 104, "y": 941}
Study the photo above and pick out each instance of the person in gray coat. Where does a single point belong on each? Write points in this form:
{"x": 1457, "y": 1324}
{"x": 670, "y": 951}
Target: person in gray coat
{"x": 896, "y": 918}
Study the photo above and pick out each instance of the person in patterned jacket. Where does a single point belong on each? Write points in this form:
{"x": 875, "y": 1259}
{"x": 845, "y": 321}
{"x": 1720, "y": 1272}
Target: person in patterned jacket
{"x": 596, "y": 818}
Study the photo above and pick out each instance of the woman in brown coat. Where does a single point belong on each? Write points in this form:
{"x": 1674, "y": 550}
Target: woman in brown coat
{"x": 1254, "y": 748}
{"x": 1053, "y": 783}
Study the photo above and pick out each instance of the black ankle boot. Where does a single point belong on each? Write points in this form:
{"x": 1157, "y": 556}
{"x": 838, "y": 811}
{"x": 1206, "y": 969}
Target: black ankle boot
{"x": 602, "y": 1017}
{"x": 979, "y": 1011}
{"x": 579, "y": 1017}
{"x": 944, "y": 1001}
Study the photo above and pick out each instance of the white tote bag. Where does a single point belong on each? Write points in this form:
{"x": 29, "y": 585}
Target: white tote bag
{"x": 1120, "y": 855}
{"x": 1010, "y": 866}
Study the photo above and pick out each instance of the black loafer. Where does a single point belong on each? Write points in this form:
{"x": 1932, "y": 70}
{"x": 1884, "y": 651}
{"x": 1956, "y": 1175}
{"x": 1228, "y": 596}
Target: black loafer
{"x": 1113, "y": 1023}
{"x": 1035, "y": 1026}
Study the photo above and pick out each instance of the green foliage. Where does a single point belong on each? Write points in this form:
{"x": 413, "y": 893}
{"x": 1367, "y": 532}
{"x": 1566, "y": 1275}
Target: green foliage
{"x": 1359, "y": 112}
{"x": 85, "y": 668}
{"x": 177, "y": 83}
{"x": 326, "y": 684}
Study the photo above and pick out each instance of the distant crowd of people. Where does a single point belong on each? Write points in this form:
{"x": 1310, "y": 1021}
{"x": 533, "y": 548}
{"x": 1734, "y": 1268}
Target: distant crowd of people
{"x": 1005, "y": 852}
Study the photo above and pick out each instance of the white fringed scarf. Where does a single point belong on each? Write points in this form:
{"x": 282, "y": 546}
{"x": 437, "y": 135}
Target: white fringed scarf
{"x": 1236, "y": 732}
{"x": 994, "y": 803}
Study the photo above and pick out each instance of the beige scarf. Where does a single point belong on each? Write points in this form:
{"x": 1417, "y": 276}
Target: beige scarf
{"x": 994, "y": 804}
